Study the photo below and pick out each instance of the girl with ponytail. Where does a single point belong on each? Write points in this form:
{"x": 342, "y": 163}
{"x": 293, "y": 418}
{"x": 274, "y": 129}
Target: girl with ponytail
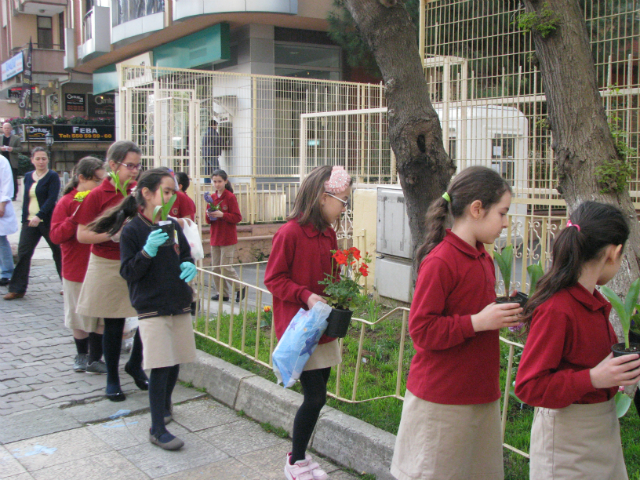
{"x": 87, "y": 331}
{"x": 450, "y": 426}
{"x": 104, "y": 293}
{"x": 567, "y": 369}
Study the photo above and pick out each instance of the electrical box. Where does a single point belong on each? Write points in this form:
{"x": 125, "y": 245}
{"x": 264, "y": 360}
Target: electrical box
{"x": 394, "y": 278}
{"x": 393, "y": 235}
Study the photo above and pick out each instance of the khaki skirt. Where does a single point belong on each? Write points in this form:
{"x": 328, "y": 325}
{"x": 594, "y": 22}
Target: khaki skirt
{"x": 325, "y": 355}
{"x": 578, "y": 442}
{"x": 71, "y": 318}
{"x": 448, "y": 442}
{"x": 104, "y": 292}
{"x": 167, "y": 341}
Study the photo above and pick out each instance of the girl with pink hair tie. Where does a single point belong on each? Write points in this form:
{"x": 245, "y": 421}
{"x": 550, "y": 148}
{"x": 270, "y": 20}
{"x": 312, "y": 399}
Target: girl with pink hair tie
{"x": 300, "y": 258}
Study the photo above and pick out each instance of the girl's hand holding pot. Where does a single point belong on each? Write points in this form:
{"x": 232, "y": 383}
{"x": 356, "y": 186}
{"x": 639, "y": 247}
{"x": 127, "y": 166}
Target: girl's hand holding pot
{"x": 215, "y": 214}
{"x": 155, "y": 239}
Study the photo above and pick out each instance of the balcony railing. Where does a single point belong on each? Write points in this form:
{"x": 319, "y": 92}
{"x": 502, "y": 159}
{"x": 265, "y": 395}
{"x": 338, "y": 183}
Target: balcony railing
{"x": 48, "y": 46}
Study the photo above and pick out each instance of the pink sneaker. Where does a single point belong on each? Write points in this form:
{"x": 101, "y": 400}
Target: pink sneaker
{"x": 305, "y": 469}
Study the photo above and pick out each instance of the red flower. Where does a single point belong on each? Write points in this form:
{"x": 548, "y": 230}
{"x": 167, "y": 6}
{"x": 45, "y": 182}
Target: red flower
{"x": 340, "y": 257}
{"x": 363, "y": 270}
{"x": 355, "y": 252}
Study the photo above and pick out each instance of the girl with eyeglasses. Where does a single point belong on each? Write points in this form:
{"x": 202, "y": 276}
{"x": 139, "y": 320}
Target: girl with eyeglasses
{"x": 299, "y": 259}
{"x": 104, "y": 292}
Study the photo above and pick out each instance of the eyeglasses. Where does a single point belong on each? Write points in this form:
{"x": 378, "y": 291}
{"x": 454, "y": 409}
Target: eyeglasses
{"x": 131, "y": 166}
{"x": 345, "y": 203}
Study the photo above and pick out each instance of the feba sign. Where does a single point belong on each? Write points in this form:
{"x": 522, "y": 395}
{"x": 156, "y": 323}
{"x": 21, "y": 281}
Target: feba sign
{"x": 70, "y": 133}
{"x": 12, "y": 67}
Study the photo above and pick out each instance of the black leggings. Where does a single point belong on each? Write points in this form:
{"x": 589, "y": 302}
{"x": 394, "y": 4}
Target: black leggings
{"x": 112, "y": 343}
{"x": 161, "y": 383}
{"x": 314, "y": 387}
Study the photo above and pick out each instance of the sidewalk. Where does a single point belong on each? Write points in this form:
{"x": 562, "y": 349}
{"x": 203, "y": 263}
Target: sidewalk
{"x": 55, "y": 424}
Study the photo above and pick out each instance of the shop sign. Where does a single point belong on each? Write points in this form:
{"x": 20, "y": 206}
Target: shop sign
{"x": 74, "y": 102}
{"x": 102, "y": 105}
{"x": 12, "y": 67}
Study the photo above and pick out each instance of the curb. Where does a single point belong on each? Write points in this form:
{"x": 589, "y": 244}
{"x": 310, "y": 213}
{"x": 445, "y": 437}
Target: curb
{"x": 337, "y": 436}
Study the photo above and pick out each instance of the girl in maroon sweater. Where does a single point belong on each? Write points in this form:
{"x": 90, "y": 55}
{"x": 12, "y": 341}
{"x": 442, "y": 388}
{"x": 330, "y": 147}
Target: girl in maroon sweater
{"x": 567, "y": 369}
{"x": 299, "y": 259}
{"x": 450, "y": 426}
{"x": 223, "y": 237}
{"x": 87, "y": 331}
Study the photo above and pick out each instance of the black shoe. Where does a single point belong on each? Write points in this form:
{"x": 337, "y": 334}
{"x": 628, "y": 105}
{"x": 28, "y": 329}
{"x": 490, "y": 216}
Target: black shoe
{"x": 244, "y": 294}
{"x": 216, "y": 297}
{"x": 117, "y": 397}
{"x": 142, "y": 382}
{"x": 4, "y": 282}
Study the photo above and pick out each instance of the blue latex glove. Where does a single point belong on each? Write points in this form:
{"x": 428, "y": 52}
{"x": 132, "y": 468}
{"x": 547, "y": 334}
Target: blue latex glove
{"x": 188, "y": 271}
{"x": 154, "y": 240}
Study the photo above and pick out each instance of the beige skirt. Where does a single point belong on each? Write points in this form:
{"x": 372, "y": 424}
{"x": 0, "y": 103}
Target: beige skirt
{"x": 325, "y": 355}
{"x": 71, "y": 318}
{"x": 578, "y": 442}
{"x": 448, "y": 442}
{"x": 167, "y": 341}
{"x": 104, "y": 292}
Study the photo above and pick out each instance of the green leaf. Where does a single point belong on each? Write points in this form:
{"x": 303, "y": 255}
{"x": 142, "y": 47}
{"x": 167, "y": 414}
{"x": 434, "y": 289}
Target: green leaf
{"x": 617, "y": 304}
{"x": 623, "y": 402}
{"x": 156, "y": 211}
{"x": 504, "y": 260}
{"x": 166, "y": 208}
{"x": 632, "y": 297}
{"x": 535, "y": 271}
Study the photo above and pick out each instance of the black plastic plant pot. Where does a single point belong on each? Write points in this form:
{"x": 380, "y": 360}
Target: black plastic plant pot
{"x": 519, "y": 297}
{"x": 619, "y": 350}
{"x": 339, "y": 321}
{"x": 168, "y": 228}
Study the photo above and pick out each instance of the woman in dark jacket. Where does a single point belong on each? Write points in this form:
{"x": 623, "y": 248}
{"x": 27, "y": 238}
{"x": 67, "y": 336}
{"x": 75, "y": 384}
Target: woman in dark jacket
{"x": 41, "y": 189}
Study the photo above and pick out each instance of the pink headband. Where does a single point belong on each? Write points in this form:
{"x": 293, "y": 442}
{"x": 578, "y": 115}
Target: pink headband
{"x": 338, "y": 182}
{"x": 569, "y": 224}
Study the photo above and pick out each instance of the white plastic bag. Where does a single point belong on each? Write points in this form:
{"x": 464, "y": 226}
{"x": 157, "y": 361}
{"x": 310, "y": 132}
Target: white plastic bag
{"x": 192, "y": 233}
{"x": 299, "y": 341}
{"x": 129, "y": 331}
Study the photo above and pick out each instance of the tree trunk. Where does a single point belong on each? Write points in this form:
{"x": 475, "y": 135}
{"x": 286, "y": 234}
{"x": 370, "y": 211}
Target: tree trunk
{"x": 414, "y": 128}
{"x": 582, "y": 140}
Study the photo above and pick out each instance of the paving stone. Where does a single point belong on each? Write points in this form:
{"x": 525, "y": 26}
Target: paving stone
{"x": 109, "y": 465}
{"x": 130, "y": 431}
{"x": 26, "y": 425}
{"x": 55, "y": 449}
{"x": 228, "y": 469}
{"x": 156, "y": 462}
{"x": 240, "y": 437}
{"x": 8, "y": 465}
{"x": 196, "y": 416}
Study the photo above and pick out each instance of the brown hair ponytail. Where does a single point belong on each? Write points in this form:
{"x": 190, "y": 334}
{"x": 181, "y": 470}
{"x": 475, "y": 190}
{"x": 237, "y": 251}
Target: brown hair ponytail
{"x": 471, "y": 184}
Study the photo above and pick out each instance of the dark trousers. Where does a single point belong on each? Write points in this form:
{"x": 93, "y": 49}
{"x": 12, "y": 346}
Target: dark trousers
{"x": 29, "y": 238}
{"x": 14, "y": 171}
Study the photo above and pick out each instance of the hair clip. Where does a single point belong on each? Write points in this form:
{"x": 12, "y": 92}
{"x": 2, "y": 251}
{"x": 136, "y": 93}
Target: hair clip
{"x": 446, "y": 196}
{"x": 570, "y": 224}
{"x": 338, "y": 181}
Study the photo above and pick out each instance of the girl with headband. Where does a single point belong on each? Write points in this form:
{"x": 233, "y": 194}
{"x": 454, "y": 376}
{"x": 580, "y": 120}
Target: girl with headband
{"x": 300, "y": 258}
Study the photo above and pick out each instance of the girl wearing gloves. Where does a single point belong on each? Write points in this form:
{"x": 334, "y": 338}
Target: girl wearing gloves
{"x": 158, "y": 278}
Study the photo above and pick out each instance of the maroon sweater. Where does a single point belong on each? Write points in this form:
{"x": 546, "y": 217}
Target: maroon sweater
{"x": 570, "y": 334}
{"x": 223, "y": 230}
{"x": 75, "y": 255}
{"x": 299, "y": 259}
{"x": 100, "y": 199}
{"x": 453, "y": 364}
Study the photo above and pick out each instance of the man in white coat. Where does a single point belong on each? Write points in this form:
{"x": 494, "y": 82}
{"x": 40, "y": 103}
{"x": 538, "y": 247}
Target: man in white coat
{"x": 8, "y": 221}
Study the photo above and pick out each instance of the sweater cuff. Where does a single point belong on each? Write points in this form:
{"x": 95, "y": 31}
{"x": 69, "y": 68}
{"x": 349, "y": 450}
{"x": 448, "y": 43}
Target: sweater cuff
{"x": 582, "y": 383}
{"x": 467, "y": 326}
{"x": 304, "y": 296}
{"x": 145, "y": 254}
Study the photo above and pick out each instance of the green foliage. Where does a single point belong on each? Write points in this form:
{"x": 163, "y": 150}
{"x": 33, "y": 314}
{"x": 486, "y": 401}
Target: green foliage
{"x": 505, "y": 260}
{"x": 50, "y": 119}
{"x": 543, "y": 22}
{"x": 120, "y": 187}
{"x": 165, "y": 208}
{"x": 624, "y": 309}
{"x": 623, "y": 402}
{"x": 343, "y": 31}
{"x": 613, "y": 175}
{"x": 343, "y": 293}
{"x": 535, "y": 271}
{"x": 24, "y": 164}
{"x": 279, "y": 431}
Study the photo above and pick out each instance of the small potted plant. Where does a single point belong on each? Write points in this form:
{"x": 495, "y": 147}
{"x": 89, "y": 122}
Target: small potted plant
{"x": 211, "y": 206}
{"x": 342, "y": 293}
{"x": 120, "y": 187}
{"x": 164, "y": 224}
{"x": 625, "y": 311}
{"x": 504, "y": 260}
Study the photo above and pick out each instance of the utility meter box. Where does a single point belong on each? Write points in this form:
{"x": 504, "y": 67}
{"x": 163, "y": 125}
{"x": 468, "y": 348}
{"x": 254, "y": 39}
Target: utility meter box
{"x": 394, "y": 262}
{"x": 393, "y": 235}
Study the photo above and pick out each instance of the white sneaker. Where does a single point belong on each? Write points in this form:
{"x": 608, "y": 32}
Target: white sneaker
{"x": 305, "y": 469}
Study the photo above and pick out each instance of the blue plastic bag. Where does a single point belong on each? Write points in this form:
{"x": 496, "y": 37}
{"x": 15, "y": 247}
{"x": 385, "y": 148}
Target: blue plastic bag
{"x": 299, "y": 341}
